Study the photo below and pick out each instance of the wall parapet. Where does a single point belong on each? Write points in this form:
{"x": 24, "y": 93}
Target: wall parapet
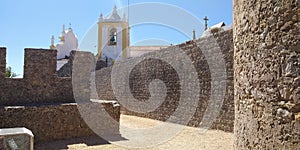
{"x": 45, "y": 103}
{"x": 2, "y": 62}
{"x": 40, "y": 83}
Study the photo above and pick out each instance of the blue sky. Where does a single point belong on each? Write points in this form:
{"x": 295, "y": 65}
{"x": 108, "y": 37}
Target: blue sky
{"x": 31, "y": 23}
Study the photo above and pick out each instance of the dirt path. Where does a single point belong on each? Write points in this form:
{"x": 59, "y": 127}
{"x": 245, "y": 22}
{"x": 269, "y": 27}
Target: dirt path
{"x": 189, "y": 138}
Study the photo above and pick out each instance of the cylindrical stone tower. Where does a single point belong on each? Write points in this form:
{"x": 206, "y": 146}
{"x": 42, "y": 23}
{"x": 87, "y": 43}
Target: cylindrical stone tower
{"x": 267, "y": 74}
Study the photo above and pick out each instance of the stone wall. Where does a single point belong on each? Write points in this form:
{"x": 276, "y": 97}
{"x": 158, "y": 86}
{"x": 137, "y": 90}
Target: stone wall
{"x": 66, "y": 69}
{"x": 56, "y": 122}
{"x": 2, "y": 62}
{"x": 150, "y": 69}
{"x": 45, "y": 103}
{"x": 103, "y": 84}
{"x": 40, "y": 83}
{"x": 267, "y": 74}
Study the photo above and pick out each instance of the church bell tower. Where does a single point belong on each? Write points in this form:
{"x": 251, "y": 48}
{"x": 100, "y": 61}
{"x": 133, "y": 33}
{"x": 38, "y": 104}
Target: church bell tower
{"x": 113, "y": 37}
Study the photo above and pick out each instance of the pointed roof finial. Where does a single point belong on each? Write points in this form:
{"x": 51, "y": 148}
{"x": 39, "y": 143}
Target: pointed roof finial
{"x": 114, "y": 16}
{"x": 115, "y": 9}
{"x": 63, "y": 33}
{"x": 194, "y": 34}
{"x": 52, "y": 46}
{"x": 52, "y": 40}
{"x": 63, "y": 28}
{"x": 101, "y": 18}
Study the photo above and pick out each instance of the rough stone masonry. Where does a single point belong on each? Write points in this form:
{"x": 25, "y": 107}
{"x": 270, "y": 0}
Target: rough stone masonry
{"x": 45, "y": 103}
{"x": 150, "y": 69}
{"x": 267, "y": 74}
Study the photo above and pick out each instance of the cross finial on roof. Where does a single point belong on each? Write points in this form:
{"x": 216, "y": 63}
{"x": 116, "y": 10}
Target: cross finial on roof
{"x": 194, "y": 34}
{"x": 206, "y": 24}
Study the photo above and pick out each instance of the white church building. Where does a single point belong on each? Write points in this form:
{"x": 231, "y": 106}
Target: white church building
{"x": 113, "y": 41}
{"x": 68, "y": 42}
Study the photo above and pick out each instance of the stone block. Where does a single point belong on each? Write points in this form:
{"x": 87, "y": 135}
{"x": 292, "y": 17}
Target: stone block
{"x": 16, "y": 139}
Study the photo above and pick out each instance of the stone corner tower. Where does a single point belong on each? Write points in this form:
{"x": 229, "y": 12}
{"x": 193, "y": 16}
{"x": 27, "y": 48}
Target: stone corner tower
{"x": 267, "y": 74}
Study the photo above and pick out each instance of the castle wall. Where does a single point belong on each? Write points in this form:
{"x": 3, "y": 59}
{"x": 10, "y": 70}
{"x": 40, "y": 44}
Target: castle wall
{"x": 57, "y": 122}
{"x": 45, "y": 103}
{"x": 2, "y": 62}
{"x": 40, "y": 83}
{"x": 149, "y": 69}
{"x": 40, "y": 65}
{"x": 267, "y": 74}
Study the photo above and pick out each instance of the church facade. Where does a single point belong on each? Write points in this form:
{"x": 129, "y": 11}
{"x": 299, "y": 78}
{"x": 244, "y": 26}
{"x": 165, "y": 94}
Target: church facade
{"x": 113, "y": 41}
{"x": 113, "y": 37}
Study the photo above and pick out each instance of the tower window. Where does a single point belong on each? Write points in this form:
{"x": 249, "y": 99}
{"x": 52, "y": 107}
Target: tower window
{"x": 113, "y": 37}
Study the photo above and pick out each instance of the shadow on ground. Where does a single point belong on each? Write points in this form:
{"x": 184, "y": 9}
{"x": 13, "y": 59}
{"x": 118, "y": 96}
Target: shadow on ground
{"x": 64, "y": 144}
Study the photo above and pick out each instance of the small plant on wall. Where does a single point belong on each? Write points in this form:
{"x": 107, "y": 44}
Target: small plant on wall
{"x": 9, "y": 73}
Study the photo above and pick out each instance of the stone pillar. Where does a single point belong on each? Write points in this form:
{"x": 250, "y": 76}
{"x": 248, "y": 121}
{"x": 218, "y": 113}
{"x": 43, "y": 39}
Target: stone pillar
{"x": 2, "y": 62}
{"x": 267, "y": 74}
{"x": 83, "y": 64}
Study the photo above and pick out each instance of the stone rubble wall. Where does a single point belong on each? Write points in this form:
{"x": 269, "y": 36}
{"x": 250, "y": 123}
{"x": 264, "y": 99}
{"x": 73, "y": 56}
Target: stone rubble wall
{"x": 2, "y": 62}
{"x": 45, "y": 103}
{"x": 59, "y": 121}
{"x": 40, "y": 83}
{"x": 267, "y": 74}
{"x": 66, "y": 69}
{"x": 149, "y": 69}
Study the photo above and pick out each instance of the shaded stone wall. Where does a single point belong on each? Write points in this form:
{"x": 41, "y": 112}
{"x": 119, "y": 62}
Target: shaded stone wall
{"x": 267, "y": 74}
{"x": 66, "y": 69}
{"x": 103, "y": 84}
{"x": 40, "y": 83}
{"x": 150, "y": 69}
{"x": 2, "y": 62}
{"x": 56, "y": 122}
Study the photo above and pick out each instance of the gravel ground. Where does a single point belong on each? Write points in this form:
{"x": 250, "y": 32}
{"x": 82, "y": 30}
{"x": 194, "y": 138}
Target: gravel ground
{"x": 189, "y": 138}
